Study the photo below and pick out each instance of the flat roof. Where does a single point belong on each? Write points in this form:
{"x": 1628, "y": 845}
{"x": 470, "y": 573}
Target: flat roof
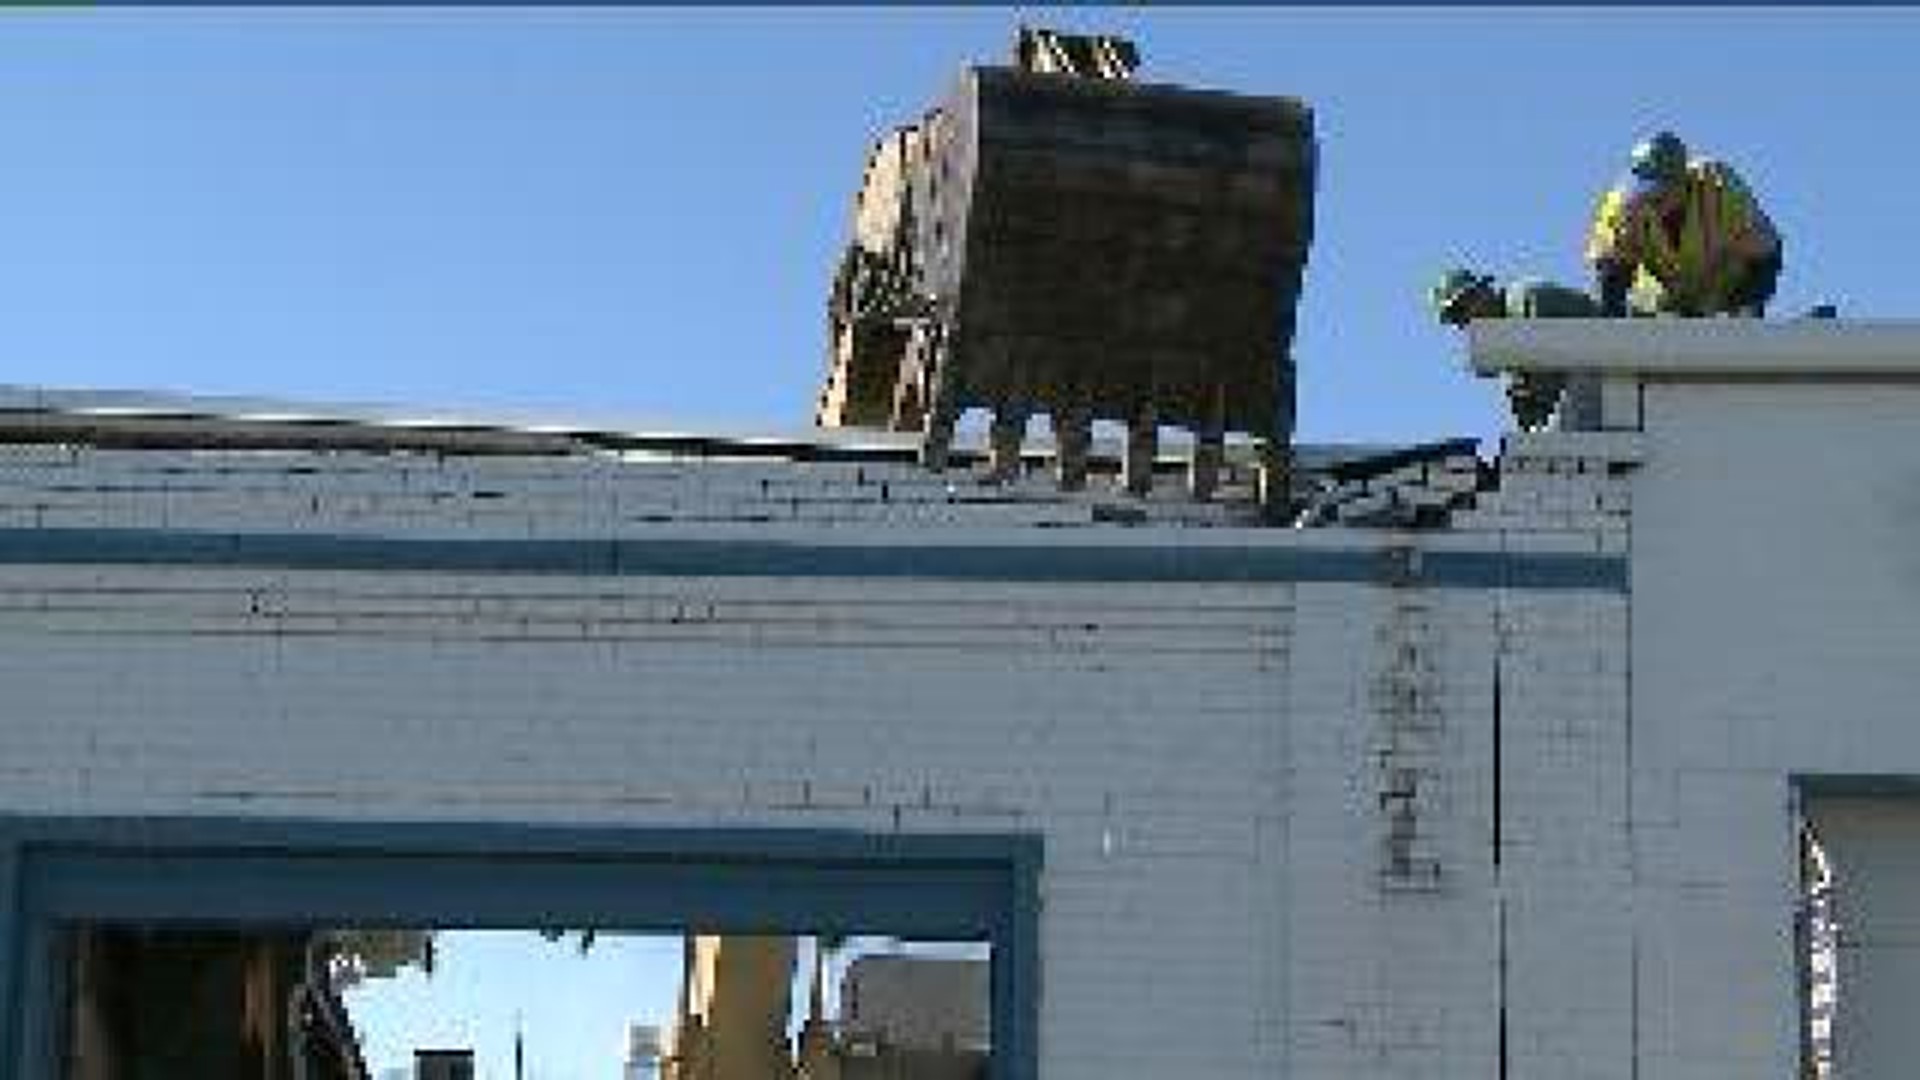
{"x": 150, "y": 419}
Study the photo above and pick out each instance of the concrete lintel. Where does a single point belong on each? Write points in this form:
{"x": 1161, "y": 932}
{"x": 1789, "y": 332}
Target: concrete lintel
{"x": 1682, "y": 348}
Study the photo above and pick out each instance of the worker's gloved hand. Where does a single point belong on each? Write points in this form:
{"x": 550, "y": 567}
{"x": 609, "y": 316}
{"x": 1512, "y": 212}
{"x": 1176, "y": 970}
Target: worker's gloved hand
{"x": 1611, "y": 280}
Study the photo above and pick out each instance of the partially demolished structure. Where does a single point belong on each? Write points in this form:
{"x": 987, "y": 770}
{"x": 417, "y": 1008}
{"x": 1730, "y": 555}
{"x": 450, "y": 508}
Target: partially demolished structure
{"x": 1534, "y": 787}
{"x": 1565, "y": 765}
{"x": 1058, "y": 239}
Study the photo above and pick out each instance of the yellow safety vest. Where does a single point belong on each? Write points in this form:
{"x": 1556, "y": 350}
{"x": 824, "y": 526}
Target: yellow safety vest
{"x": 1721, "y": 228}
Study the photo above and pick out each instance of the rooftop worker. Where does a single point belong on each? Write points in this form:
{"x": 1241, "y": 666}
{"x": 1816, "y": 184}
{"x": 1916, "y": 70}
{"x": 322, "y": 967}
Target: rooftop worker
{"x": 1690, "y": 225}
{"x": 1461, "y": 296}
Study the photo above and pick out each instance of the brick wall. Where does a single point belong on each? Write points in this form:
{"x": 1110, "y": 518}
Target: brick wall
{"x": 1269, "y": 807}
{"x": 1775, "y": 623}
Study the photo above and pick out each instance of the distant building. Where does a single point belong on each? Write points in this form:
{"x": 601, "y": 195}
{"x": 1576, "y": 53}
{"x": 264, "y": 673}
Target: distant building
{"x": 917, "y": 1003}
{"x": 443, "y": 1065}
{"x": 643, "y": 1053}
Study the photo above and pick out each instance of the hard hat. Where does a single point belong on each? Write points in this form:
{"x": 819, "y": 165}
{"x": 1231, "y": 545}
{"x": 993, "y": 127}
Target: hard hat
{"x": 1659, "y": 157}
{"x": 1452, "y": 285}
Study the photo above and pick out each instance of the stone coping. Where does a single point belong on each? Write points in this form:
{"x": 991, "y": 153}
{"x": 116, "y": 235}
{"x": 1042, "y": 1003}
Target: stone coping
{"x": 1699, "y": 348}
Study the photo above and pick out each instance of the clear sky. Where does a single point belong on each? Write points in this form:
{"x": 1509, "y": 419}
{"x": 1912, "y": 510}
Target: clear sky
{"x": 572, "y": 1008}
{"x": 634, "y": 213}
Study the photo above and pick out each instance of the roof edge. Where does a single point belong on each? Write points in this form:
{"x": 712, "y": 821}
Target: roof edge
{"x": 1804, "y": 348}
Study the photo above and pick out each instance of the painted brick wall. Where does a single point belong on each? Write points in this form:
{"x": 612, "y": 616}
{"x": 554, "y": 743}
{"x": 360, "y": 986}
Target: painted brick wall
{"x": 1775, "y": 624}
{"x": 1269, "y": 808}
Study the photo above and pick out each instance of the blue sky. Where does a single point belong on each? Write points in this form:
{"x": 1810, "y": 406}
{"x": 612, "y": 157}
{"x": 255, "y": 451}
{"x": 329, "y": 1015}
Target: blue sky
{"x": 635, "y": 212}
{"x": 573, "y": 1008}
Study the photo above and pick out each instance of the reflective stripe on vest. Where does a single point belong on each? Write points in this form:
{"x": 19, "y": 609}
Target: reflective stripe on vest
{"x": 1693, "y": 266}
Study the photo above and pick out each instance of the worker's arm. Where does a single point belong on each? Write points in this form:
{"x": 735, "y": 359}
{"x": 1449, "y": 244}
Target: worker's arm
{"x": 1611, "y": 252}
{"x": 1746, "y": 227}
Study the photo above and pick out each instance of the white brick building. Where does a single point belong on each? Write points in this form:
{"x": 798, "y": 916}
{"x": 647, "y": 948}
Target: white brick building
{"x": 1518, "y": 797}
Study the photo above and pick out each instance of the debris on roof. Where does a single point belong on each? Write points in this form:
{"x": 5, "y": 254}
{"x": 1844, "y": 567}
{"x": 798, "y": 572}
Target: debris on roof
{"x": 1414, "y": 487}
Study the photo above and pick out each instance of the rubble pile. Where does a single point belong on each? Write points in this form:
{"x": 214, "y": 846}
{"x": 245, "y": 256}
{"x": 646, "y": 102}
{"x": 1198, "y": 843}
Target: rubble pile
{"x": 1417, "y": 487}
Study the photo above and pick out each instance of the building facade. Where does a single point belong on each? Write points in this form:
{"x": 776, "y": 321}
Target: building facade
{"x": 1522, "y": 796}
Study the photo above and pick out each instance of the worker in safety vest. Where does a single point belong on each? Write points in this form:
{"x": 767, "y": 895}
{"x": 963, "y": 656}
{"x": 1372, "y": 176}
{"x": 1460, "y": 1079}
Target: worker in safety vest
{"x": 1689, "y": 230}
{"x": 1461, "y": 296}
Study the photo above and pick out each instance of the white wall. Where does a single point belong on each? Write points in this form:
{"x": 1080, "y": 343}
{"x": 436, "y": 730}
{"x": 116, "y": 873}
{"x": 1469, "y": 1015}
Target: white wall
{"x": 1207, "y": 763}
{"x": 1220, "y": 770}
{"x": 1269, "y": 809}
{"x": 1776, "y": 617}
{"x": 1141, "y": 748}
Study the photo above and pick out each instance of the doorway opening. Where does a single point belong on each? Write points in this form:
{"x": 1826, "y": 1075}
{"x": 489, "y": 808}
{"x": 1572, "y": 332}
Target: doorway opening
{"x": 304, "y": 951}
{"x": 147, "y": 1001}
